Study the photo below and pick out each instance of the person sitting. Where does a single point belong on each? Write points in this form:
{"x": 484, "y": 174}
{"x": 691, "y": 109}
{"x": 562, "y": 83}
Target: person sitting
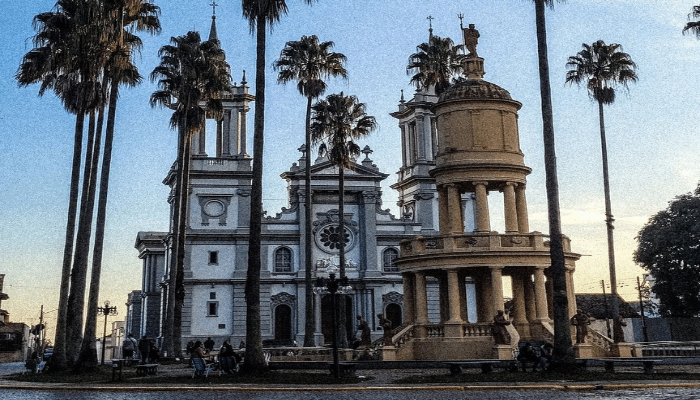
{"x": 546, "y": 355}
{"x": 208, "y": 345}
{"x": 527, "y": 354}
{"x": 227, "y": 358}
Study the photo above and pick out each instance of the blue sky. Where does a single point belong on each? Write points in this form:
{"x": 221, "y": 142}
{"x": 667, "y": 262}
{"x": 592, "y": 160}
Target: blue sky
{"x": 652, "y": 134}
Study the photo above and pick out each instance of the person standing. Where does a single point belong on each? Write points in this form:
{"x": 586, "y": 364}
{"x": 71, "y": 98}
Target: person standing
{"x": 144, "y": 349}
{"x": 128, "y": 347}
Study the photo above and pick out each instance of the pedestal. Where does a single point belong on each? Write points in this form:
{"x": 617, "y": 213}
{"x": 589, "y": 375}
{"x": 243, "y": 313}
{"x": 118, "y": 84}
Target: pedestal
{"x": 387, "y": 353}
{"x": 583, "y": 350}
{"x": 503, "y": 352}
{"x": 453, "y": 330}
{"x": 625, "y": 350}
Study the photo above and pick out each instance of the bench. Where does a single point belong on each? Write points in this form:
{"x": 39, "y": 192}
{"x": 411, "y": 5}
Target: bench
{"x": 345, "y": 369}
{"x": 647, "y": 363}
{"x": 146, "y": 369}
{"x": 485, "y": 365}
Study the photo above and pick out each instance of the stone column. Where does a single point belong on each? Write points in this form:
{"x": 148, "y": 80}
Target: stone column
{"x": 243, "y": 132}
{"x": 443, "y": 212}
{"x": 518, "y": 300}
{"x": 571, "y": 294}
{"x": 226, "y": 137}
{"x": 421, "y": 303}
{"x": 428, "y": 137}
{"x": 420, "y": 136}
{"x": 496, "y": 289}
{"x": 530, "y": 306}
{"x": 453, "y": 293}
{"x": 509, "y": 207}
{"x": 521, "y": 206}
{"x": 483, "y": 224}
{"x": 454, "y": 207}
{"x": 541, "y": 295}
{"x": 219, "y": 137}
{"x": 409, "y": 309}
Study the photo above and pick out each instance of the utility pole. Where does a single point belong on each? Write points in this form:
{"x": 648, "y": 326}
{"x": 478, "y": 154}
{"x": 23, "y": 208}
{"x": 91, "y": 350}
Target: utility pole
{"x": 605, "y": 297}
{"x": 641, "y": 309}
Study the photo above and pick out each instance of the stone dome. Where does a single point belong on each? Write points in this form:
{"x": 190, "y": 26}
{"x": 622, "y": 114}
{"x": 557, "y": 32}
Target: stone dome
{"x": 474, "y": 89}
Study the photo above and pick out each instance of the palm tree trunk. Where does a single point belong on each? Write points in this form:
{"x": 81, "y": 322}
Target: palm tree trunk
{"x": 563, "y": 350}
{"x": 608, "y": 215}
{"x": 168, "y": 324}
{"x": 342, "y": 317}
{"x": 310, "y": 322}
{"x": 181, "y": 234}
{"x": 88, "y": 350}
{"x": 60, "y": 345}
{"x": 76, "y": 299}
{"x": 254, "y": 359}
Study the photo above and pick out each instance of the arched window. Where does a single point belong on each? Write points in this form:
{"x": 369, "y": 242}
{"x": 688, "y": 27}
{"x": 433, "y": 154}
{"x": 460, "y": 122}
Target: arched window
{"x": 390, "y": 255}
{"x": 283, "y": 260}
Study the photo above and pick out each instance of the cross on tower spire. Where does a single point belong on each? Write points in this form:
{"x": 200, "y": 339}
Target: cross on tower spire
{"x": 430, "y": 21}
{"x": 214, "y": 4}
{"x": 461, "y": 17}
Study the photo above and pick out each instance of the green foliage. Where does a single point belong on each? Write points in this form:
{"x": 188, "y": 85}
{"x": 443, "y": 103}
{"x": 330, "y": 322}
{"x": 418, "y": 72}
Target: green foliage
{"x": 436, "y": 64}
{"x": 693, "y": 26}
{"x": 601, "y": 67}
{"x": 337, "y": 121}
{"x": 669, "y": 248}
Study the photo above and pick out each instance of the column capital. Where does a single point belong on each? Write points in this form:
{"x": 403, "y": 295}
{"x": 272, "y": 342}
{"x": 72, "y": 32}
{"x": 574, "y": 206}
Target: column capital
{"x": 480, "y": 183}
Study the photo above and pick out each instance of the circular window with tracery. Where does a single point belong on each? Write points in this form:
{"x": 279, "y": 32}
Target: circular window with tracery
{"x": 328, "y": 238}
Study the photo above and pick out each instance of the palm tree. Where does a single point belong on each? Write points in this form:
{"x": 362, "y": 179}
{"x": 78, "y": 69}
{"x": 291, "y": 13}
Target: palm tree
{"x": 563, "y": 354}
{"x": 63, "y": 60}
{"x": 119, "y": 69}
{"x": 693, "y": 26}
{"x": 338, "y": 121}
{"x": 602, "y": 68}
{"x": 307, "y": 62}
{"x": 436, "y": 64}
{"x": 260, "y": 14}
{"x": 191, "y": 72}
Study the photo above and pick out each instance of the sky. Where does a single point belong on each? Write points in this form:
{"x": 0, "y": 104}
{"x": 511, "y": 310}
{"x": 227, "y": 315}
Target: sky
{"x": 651, "y": 132}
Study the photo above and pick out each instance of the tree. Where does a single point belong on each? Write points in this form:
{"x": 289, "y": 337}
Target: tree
{"x": 337, "y": 122}
{"x": 563, "y": 354}
{"x": 260, "y": 14}
{"x": 64, "y": 59}
{"x": 308, "y": 62}
{"x": 194, "y": 74}
{"x": 436, "y": 64}
{"x": 668, "y": 249}
{"x": 601, "y": 68}
{"x": 119, "y": 69}
{"x": 693, "y": 26}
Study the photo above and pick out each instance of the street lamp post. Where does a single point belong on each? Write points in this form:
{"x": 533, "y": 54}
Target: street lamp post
{"x": 332, "y": 286}
{"x": 106, "y": 311}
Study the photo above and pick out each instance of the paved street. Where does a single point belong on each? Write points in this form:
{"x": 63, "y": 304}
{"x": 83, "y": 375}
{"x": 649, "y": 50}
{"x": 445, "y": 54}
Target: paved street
{"x": 381, "y": 388}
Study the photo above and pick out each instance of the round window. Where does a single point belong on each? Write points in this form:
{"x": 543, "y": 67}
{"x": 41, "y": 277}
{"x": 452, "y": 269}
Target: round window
{"x": 328, "y": 238}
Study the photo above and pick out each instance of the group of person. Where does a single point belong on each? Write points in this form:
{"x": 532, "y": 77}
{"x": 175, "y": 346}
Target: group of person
{"x": 528, "y": 354}
{"x": 146, "y": 347}
{"x": 228, "y": 359}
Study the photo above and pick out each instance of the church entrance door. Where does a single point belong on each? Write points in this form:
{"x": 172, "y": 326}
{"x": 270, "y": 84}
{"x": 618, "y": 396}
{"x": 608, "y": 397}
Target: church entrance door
{"x": 283, "y": 324}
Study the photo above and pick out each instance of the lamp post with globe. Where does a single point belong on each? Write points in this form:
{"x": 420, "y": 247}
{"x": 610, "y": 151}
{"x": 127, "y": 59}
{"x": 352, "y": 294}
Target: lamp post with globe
{"x": 332, "y": 286}
{"x": 106, "y": 311}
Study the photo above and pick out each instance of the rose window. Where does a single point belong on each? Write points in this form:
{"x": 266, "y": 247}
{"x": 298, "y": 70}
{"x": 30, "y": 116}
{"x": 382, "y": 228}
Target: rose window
{"x": 328, "y": 238}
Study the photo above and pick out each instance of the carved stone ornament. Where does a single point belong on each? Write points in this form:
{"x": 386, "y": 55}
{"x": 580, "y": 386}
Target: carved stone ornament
{"x": 392, "y": 297}
{"x": 283, "y": 298}
{"x": 214, "y": 207}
